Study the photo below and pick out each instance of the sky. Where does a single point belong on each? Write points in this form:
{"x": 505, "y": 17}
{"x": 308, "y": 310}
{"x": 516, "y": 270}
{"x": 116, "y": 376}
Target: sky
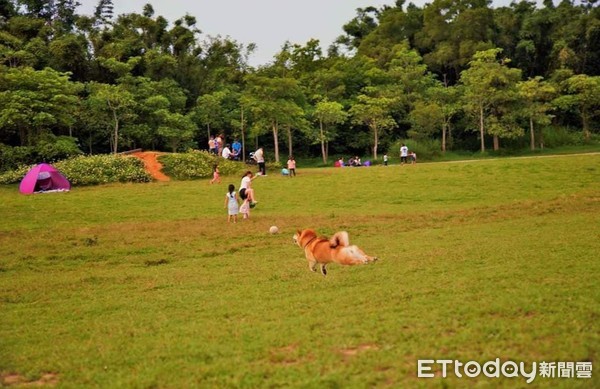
{"x": 267, "y": 23}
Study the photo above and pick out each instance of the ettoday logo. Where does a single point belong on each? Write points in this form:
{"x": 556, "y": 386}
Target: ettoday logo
{"x": 509, "y": 369}
{"x": 472, "y": 369}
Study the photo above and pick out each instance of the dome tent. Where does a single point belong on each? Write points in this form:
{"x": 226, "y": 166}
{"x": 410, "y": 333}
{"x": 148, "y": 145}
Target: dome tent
{"x": 43, "y": 178}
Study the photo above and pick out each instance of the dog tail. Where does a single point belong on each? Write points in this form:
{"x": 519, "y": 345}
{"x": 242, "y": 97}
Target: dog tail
{"x": 339, "y": 239}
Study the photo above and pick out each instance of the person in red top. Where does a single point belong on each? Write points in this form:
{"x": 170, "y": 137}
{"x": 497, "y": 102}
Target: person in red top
{"x": 291, "y": 165}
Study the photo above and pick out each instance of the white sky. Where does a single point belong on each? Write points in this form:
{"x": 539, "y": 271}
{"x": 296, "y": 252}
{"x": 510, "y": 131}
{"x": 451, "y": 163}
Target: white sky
{"x": 267, "y": 23}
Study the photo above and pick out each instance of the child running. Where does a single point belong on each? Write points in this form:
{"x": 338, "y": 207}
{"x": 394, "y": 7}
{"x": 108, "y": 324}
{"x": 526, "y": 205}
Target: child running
{"x": 232, "y": 205}
{"x": 216, "y": 176}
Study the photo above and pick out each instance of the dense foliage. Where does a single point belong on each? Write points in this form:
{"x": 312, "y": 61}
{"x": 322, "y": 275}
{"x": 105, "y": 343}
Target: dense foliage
{"x": 198, "y": 164}
{"x": 91, "y": 170}
{"x": 457, "y": 72}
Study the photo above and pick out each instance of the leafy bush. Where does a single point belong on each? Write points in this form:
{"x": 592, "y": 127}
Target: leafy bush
{"x": 15, "y": 175}
{"x": 49, "y": 148}
{"x": 197, "y": 164}
{"x": 90, "y": 170}
{"x": 102, "y": 169}
{"x": 13, "y": 157}
{"x": 561, "y": 136}
{"x": 54, "y": 148}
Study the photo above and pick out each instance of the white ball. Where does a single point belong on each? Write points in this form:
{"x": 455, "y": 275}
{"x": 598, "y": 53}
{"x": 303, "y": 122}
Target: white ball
{"x": 273, "y": 230}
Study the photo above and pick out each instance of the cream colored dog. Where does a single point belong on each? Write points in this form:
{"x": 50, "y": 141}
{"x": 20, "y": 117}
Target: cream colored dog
{"x": 324, "y": 251}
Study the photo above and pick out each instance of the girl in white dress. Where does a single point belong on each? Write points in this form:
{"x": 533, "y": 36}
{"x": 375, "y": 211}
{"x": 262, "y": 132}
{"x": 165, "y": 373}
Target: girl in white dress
{"x": 232, "y": 204}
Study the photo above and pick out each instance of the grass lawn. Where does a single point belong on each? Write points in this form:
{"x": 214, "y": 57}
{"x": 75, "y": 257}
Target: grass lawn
{"x": 146, "y": 285}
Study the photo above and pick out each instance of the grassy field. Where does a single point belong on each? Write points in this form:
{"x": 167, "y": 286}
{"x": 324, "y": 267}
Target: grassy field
{"x": 147, "y": 286}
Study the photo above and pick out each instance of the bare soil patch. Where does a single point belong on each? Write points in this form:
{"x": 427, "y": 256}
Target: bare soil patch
{"x": 14, "y": 379}
{"x": 153, "y": 167}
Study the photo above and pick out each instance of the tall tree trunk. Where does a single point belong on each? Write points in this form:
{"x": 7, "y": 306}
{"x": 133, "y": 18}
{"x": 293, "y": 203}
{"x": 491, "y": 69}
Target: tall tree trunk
{"x": 116, "y": 133}
{"x": 23, "y": 136}
{"x": 208, "y": 130}
{"x": 323, "y": 151}
{"x": 376, "y": 143}
{"x": 531, "y": 134}
{"x": 243, "y": 136}
{"x": 585, "y": 121}
{"x": 481, "y": 128}
{"x": 289, "y": 133}
{"x": 444, "y": 127}
{"x": 276, "y": 140}
{"x": 496, "y": 143}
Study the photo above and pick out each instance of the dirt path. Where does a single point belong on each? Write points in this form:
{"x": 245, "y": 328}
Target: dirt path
{"x": 153, "y": 167}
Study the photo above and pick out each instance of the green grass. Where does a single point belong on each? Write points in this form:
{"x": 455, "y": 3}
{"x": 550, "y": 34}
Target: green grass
{"x": 459, "y": 155}
{"x": 146, "y": 285}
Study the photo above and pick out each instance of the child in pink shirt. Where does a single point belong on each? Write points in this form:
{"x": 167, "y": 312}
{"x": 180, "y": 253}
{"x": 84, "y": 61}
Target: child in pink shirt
{"x": 291, "y": 165}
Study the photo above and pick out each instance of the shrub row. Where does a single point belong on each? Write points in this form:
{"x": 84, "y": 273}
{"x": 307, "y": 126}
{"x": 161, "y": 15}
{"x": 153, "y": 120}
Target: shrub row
{"x": 199, "y": 164}
{"x": 91, "y": 170}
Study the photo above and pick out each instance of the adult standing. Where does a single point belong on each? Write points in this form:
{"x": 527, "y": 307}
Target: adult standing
{"x": 403, "y": 154}
{"x": 219, "y": 144}
{"x": 236, "y": 147}
{"x": 259, "y": 156}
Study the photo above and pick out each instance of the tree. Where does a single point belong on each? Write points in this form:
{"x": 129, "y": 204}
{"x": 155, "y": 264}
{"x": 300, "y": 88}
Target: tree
{"x": 32, "y": 101}
{"x": 209, "y": 110}
{"x": 327, "y": 114}
{"x": 490, "y": 87}
{"x": 535, "y": 96}
{"x": 359, "y": 27}
{"x": 448, "y": 102}
{"x": 272, "y": 101}
{"x": 115, "y": 105}
{"x": 175, "y": 128}
{"x": 583, "y": 96}
{"x": 374, "y": 112}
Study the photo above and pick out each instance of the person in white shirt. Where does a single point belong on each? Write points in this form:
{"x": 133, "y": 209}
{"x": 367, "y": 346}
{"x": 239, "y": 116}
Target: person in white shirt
{"x": 246, "y": 191}
{"x": 260, "y": 160}
{"x": 403, "y": 154}
{"x": 226, "y": 152}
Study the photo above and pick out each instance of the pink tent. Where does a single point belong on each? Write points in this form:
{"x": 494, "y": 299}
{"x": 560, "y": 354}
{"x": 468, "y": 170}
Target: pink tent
{"x": 44, "y": 178}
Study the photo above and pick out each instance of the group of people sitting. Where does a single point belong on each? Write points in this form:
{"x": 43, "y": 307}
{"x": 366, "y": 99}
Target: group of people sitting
{"x": 230, "y": 151}
{"x": 353, "y": 161}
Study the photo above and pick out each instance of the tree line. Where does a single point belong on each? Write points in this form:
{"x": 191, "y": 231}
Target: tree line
{"x": 458, "y": 73}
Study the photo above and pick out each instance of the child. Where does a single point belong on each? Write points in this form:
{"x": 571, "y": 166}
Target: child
{"x": 385, "y": 159}
{"x": 413, "y": 157}
{"x": 216, "y": 177}
{"x": 291, "y": 164}
{"x": 232, "y": 205}
{"x": 245, "y": 209}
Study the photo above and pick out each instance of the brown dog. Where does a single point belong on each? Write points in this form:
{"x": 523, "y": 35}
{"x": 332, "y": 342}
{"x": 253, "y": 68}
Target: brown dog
{"x": 324, "y": 251}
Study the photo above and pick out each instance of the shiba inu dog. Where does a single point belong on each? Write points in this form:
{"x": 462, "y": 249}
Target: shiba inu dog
{"x": 337, "y": 249}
